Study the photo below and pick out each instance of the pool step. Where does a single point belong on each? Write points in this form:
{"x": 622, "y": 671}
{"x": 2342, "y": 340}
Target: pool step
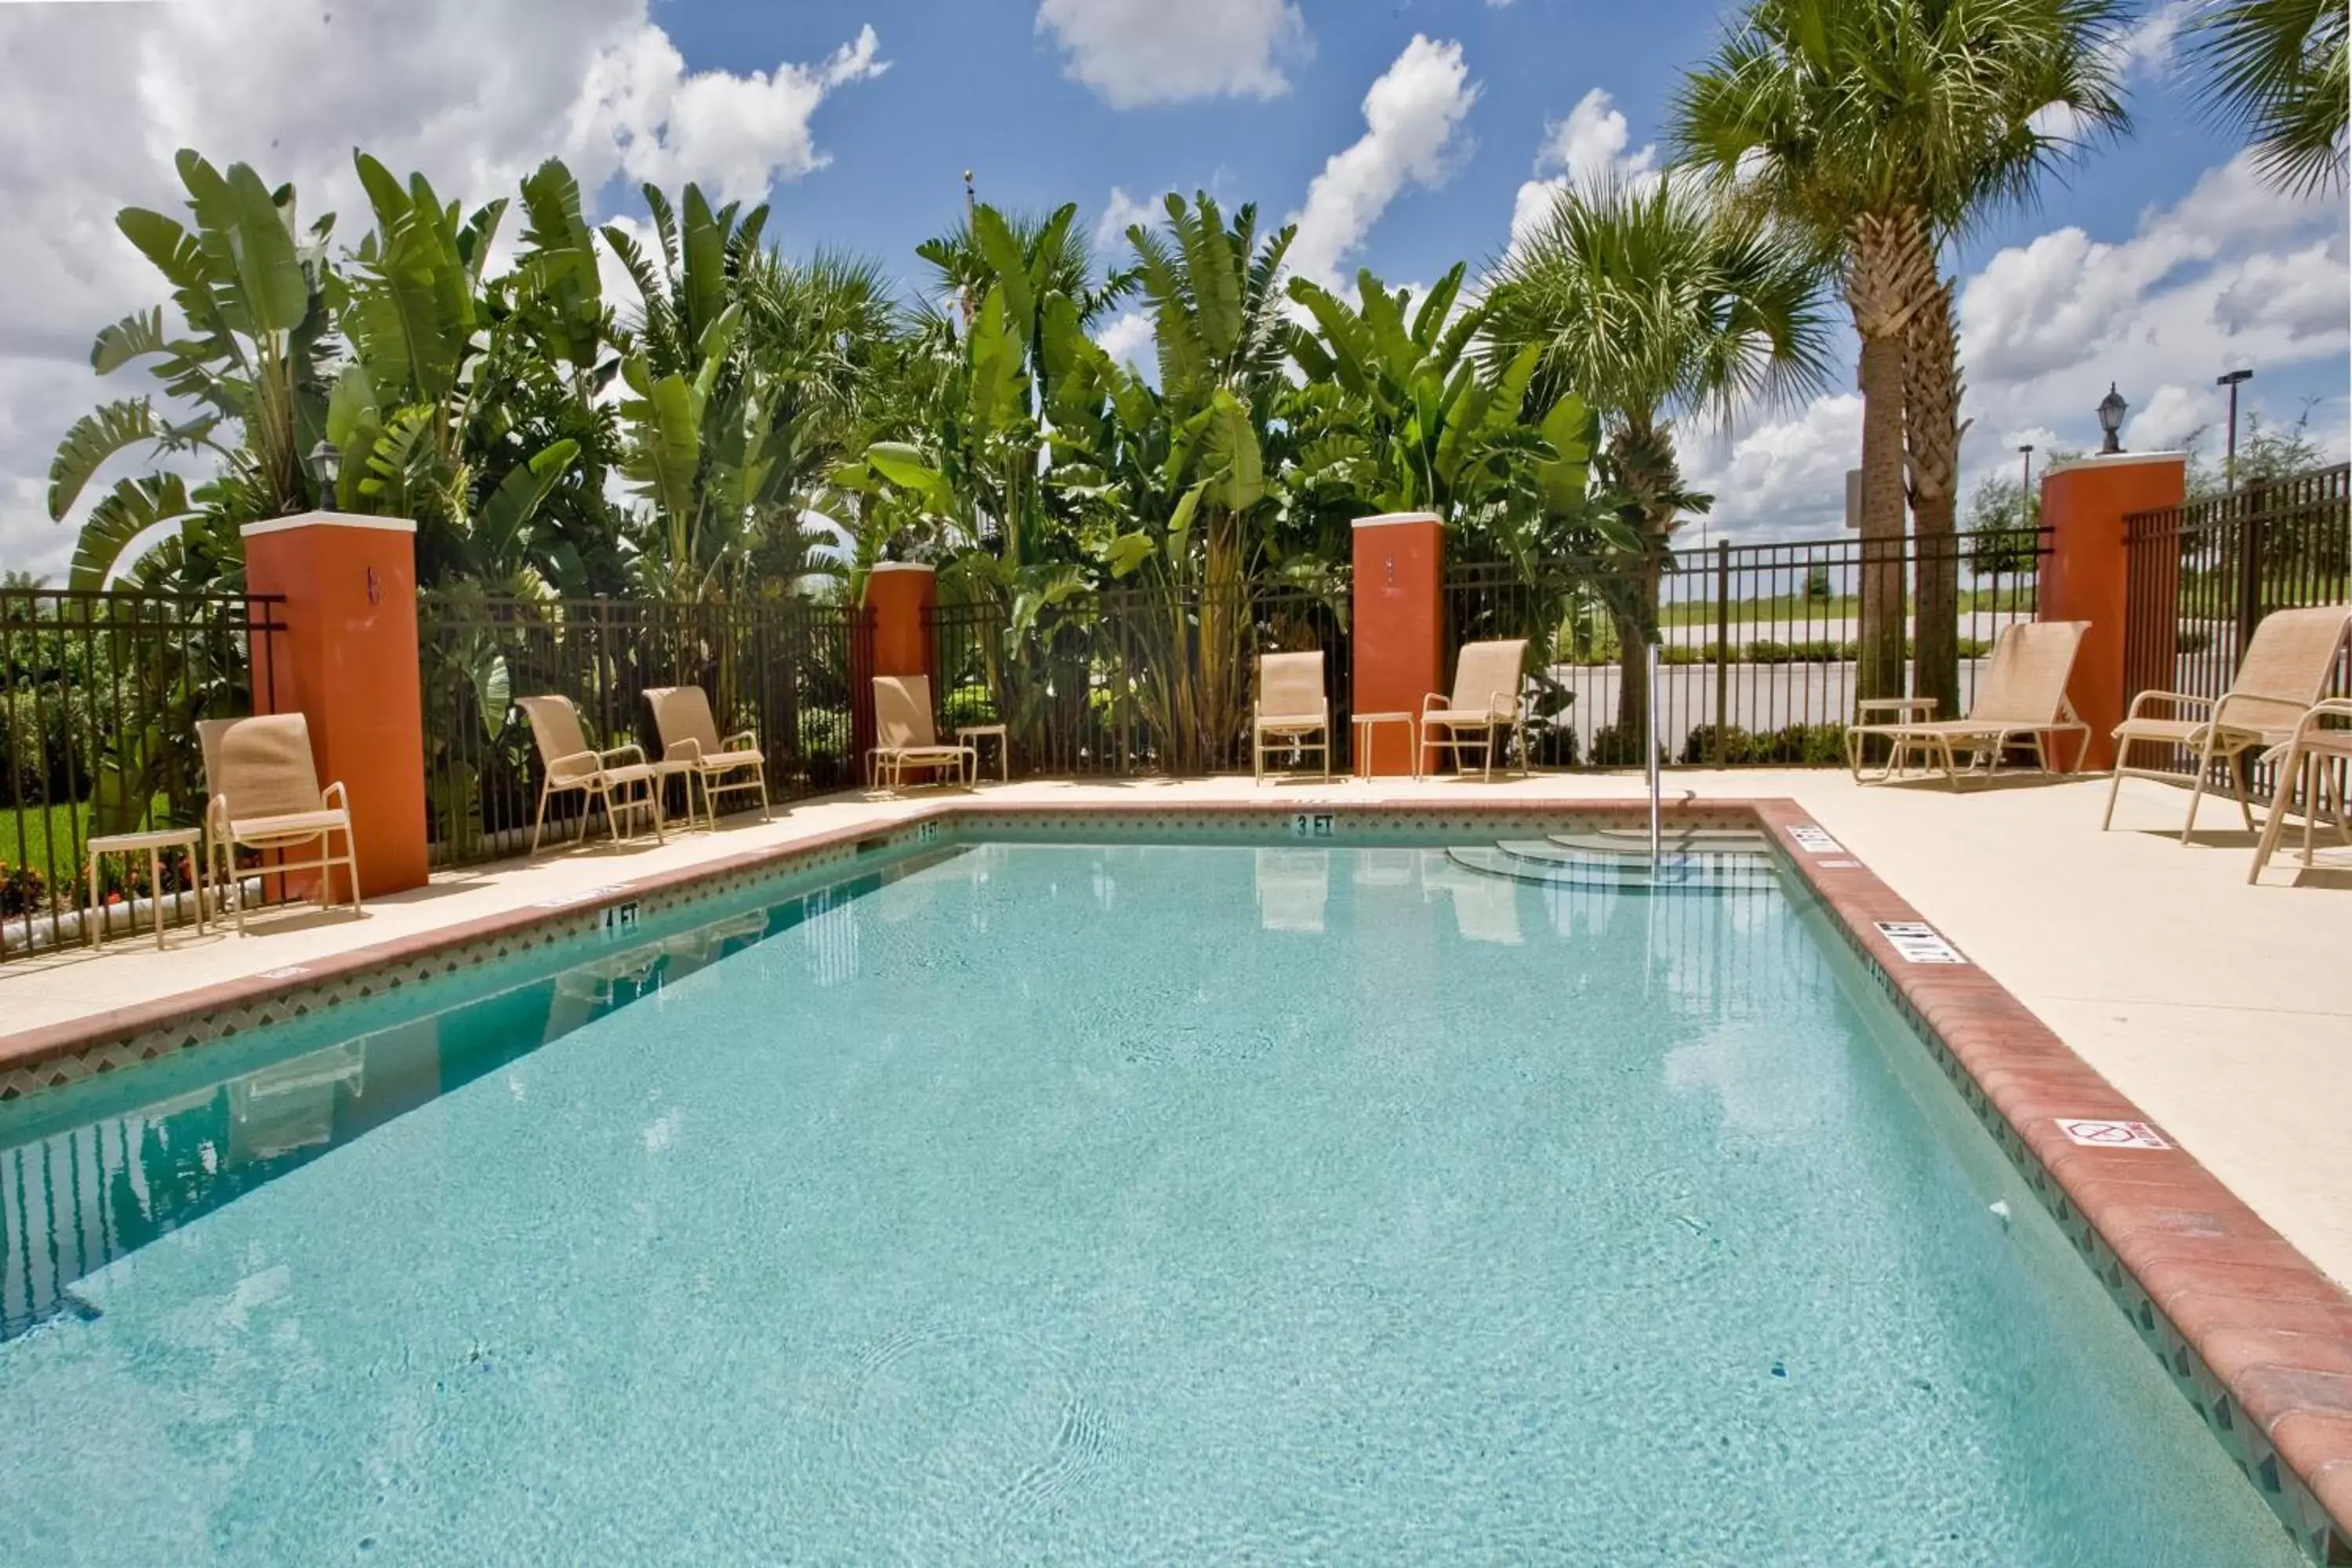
{"x": 1546, "y": 861}
{"x": 1673, "y": 840}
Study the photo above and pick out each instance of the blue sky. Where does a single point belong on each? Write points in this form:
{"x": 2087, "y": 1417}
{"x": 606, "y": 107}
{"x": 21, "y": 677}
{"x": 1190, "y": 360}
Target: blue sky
{"x": 2155, "y": 262}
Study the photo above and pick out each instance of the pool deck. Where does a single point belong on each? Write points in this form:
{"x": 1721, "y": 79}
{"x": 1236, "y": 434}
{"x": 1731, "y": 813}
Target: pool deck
{"x": 2222, "y": 1012}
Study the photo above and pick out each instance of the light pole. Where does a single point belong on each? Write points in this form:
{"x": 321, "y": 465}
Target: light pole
{"x": 2232, "y": 380}
{"x": 2112, "y": 409}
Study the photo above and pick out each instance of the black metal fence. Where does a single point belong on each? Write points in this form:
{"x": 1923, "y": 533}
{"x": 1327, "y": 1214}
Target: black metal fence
{"x": 2201, "y": 576}
{"x": 1760, "y": 644}
{"x": 783, "y": 669}
{"x": 102, "y": 692}
{"x": 1133, "y": 680}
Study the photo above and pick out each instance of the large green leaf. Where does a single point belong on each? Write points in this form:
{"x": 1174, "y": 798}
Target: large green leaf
{"x": 705, "y": 253}
{"x": 244, "y": 235}
{"x": 355, "y": 422}
{"x": 1002, "y": 253}
{"x": 138, "y": 334}
{"x": 180, "y": 257}
{"x": 499, "y": 526}
{"x": 96, "y": 436}
{"x": 560, "y": 261}
{"x": 1217, "y": 288}
{"x": 132, "y": 508}
{"x": 665, "y": 445}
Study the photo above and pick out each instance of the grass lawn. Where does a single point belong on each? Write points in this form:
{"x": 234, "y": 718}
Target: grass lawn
{"x": 1797, "y": 606}
{"x": 28, "y": 837}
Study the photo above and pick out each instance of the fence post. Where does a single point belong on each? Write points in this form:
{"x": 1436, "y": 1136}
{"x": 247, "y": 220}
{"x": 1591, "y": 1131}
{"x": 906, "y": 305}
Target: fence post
{"x": 2252, "y": 507}
{"x": 1397, "y": 612}
{"x": 351, "y": 667}
{"x": 2087, "y": 575}
{"x": 1723, "y": 652}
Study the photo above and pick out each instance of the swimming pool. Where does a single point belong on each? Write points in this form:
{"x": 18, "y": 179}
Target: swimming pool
{"x": 1044, "y": 1202}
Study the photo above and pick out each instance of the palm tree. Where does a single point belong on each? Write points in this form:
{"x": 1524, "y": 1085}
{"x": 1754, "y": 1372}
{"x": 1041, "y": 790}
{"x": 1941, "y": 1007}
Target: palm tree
{"x": 2276, "y": 70}
{"x": 1883, "y": 128}
{"x": 1656, "y": 299}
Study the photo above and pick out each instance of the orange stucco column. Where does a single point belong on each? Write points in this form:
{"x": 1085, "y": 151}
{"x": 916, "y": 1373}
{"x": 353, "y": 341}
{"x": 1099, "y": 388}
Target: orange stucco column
{"x": 899, "y": 595}
{"x": 347, "y": 663}
{"x": 2087, "y": 575}
{"x": 1399, "y": 626}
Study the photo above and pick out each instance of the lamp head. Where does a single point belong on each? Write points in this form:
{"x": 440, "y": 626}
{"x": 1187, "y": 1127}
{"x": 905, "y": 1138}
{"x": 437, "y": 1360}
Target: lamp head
{"x": 2112, "y": 409}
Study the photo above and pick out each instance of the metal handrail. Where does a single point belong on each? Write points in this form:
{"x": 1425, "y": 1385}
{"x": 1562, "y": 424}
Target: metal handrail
{"x": 1649, "y": 752}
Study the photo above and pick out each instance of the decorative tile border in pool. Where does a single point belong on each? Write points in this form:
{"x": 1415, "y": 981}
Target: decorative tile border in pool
{"x": 2257, "y": 1339}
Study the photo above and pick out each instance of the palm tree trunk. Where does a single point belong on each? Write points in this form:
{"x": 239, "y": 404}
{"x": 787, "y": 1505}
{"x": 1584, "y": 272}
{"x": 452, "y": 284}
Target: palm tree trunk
{"x": 1643, "y": 451}
{"x": 1889, "y": 272}
{"x": 1931, "y": 439}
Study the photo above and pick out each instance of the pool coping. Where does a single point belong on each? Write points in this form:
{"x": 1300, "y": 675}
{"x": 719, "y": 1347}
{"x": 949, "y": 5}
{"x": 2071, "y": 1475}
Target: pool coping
{"x": 2256, "y": 1337}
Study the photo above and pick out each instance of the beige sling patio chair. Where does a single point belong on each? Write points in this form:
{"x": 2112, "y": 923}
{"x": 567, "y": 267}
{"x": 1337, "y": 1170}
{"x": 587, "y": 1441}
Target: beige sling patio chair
{"x": 571, "y": 765}
{"x": 1291, "y": 707}
{"x": 2287, "y": 666}
{"x": 907, "y": 737}
{"x": 262, "y": 790}
{"x": 1488, "y": 677}
{"x": 691, "y": 745}
{"x": 2318, "y": 754}
{"x": 2022, "y": 697}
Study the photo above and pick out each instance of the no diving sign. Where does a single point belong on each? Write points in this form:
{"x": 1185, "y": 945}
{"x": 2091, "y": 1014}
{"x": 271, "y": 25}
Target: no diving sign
{"x": 2100, "y": 1132}
{"x": 1917, "y": 941}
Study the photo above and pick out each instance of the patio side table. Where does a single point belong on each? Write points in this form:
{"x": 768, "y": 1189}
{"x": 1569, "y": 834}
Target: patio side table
{"x": 971, "y": 734}
{"x": 153, "y": 843}
{"x": 1364, "y": 724}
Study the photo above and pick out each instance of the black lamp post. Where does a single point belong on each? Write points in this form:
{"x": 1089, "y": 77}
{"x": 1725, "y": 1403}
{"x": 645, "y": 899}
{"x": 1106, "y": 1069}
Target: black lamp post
{"x": 2232, "y": 380}
{"x": 2112, "y": 409}
{"x": 324, "y": 463}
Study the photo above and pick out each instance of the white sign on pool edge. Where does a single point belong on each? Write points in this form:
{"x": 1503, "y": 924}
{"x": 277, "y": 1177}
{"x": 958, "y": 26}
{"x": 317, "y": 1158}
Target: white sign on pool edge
{"x": 1314, "y": 825}
{"x": 1917, "y": 941}
{"x": 1814, "y": 840}
{"x": 2099, "y": 1133}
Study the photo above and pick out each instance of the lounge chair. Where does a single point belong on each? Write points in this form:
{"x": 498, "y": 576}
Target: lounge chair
{"x": 1488, "y": 677}
{"x": 264, "y": 794}
{"x": 2287, "y": 666}
{"x": 2022, "y": 697}
{"x": 1291, "y": 707}
{"x": 907, "y": 737}
{"x": 571, "y": 765}
{"x": 691, "y": 745}
{"x": 2312, "y": 751}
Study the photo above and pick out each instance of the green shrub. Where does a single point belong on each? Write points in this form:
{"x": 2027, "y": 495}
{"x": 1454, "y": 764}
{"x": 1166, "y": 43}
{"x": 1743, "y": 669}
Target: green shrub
{"x": 1615, "y": 747}
{"x": 1798, "y": 745}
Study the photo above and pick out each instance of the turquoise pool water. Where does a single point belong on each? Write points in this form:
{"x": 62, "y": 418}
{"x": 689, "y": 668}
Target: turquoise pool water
{"x": 1088, "y": 1205}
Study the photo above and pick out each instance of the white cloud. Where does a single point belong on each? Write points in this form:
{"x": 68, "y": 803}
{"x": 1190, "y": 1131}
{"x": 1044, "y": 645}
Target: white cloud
{"x": 475, "y": 95}
{"x": 2231, "y": 274}
{"x": 1785, "y": 479}
{"x": 1120, "y": 214}
{"x": 1587, "y": 149}
{"x": 1413, "y": 123}
{"x": 1127, "y": 338}
{"x": 739, "y": 133}
{"x": 2151, "y": 45}
{"x": 2172, "y": 415}
{"x": 1135, "y": 52}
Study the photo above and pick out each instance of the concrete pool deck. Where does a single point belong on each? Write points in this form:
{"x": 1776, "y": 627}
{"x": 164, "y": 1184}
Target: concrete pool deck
{"x": 2223, "y": 1010}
